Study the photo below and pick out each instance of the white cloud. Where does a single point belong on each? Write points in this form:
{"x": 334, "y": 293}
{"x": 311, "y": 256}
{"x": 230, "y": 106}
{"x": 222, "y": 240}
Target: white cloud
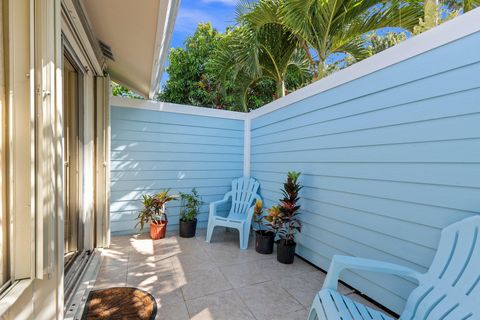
{"x": 188, "y": 19}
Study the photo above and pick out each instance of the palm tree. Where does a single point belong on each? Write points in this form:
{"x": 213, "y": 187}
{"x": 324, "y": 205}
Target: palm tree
{"x": 437, "y": 12}
{"x": 256, "y": 49}
{"x": 464, "y": 5}
{"x": 431, "y": 13}
{"x": 379, "y": 43}
{"x": 339, "y": 26}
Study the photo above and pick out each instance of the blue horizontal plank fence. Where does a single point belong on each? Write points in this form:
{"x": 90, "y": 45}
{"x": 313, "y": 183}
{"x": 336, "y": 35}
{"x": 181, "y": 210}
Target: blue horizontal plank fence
{"x": 388, "y": 160}
{"x": 154, "y": 150}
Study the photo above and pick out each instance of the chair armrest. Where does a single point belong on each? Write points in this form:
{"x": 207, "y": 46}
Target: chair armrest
{"x": 213, "y": 205}
{"x": 340, "y": 263}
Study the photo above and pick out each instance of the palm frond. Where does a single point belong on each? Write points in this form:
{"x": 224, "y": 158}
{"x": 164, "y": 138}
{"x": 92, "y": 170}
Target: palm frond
{"x": 330, "y": 26}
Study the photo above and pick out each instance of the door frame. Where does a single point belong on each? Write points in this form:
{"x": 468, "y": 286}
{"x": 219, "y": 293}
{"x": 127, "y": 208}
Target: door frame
{"x": 70, "y": 55}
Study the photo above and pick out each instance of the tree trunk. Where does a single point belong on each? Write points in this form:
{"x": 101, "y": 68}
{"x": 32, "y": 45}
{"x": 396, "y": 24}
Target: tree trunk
{"x": 431, "y": 13}
{"x": 280, "y": 92}
{"x": 321, "y": 69}
{"x": 310, "y": 60}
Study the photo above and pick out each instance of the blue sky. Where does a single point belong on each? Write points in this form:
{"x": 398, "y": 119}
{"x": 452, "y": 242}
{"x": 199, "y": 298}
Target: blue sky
{"x": 220, "y": 13}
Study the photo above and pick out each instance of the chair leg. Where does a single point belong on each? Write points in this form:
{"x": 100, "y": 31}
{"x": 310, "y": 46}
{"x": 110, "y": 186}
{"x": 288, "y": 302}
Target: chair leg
{"x": 315, "y": 309}
{"x": 240, "y": 233}
{"x": 243, "y": 238}
{"x": 210, "y": 228}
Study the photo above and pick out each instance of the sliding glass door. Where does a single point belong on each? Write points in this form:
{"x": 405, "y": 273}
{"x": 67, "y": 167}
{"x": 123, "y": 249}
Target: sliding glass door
{"x": 73, "y": 226}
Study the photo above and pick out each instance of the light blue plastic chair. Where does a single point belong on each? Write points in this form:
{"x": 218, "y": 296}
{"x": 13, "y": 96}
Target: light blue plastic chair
{"x": 243, "y": 194}
{"x": 449, "y": 290}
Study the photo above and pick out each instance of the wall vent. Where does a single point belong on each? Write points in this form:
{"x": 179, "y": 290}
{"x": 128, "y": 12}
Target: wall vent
{"x": 106, "y": 50}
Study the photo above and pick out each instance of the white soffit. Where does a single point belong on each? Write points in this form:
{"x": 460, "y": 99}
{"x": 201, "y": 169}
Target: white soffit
{"x": 138, "y": 33}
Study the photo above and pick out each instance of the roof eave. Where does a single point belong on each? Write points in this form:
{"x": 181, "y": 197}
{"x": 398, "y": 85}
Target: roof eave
{"x": 162, "y": 42}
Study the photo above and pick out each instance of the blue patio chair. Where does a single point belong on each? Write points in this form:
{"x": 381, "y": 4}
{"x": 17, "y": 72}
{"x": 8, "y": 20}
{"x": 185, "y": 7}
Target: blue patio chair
{"x": 449, "y": 290}
{"x": 244, "y": 195}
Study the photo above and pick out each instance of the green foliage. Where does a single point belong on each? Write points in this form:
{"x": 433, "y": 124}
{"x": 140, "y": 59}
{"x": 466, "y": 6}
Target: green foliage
{"x": 154, "y": 208}
{"x": 378, "y": 43}
{"x": 462, "y": 5}
{"x": 274, "y": 218}
{"x": 190, "y": 80}
{"x": 258, "y": 50}
{"x": 258, "y": 212}
{"x": 279, "y": 46}
{"x": 259, "y": 218}
{"x": 119, "y": 90}
{"x": 435, "y": 13}
{"x": 337, "y": 26}
{"x": 190, "y": 205}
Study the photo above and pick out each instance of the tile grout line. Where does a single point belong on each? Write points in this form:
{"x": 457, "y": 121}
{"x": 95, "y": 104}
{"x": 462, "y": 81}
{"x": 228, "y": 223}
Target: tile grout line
{"x": 221, "y": 268}
{"x": 210, "y": 294}
{"x": 181, "y": 291}
{"x": 246, "y": 305}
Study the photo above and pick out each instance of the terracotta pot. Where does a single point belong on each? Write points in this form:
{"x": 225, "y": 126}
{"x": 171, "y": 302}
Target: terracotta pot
{"x": 158, "y": 230}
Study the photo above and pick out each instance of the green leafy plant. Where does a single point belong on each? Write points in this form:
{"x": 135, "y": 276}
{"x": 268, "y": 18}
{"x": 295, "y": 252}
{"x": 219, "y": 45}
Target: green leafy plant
{"x": 119, "y": 90}
{"x": 259, "y": 218}
{"x": 273, "y": 218}
{"x": 258, "y": 212}
{"x": 327, "y": 27}
{"x": 255, "y": 51}
{"x": 190, "y": 205}
{"x": 154, "y": 209}
{"x": 284, "y": 217}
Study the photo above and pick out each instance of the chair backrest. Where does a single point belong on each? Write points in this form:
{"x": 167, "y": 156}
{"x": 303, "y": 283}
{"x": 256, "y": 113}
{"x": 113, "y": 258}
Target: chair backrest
{"x": 244, "y": 191}
{"x": 450, "y": 289}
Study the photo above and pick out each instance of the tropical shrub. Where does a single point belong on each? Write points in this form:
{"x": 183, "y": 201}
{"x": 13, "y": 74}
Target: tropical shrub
{"x": 329, "y": 27}
{"x": 190, "y": 205}
{"x": 284, "y": 217}
{"x": 154, "y": 209}
{"x": 260, "y": 219}
{"x": 273, "y": 218}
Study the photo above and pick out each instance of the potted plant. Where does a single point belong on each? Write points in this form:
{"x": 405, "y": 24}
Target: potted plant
{"x": 190, "y": 208}
{"x": 155, "y": 212}
{"x": 285, "y": 219}
{"x": 264, "y": 236}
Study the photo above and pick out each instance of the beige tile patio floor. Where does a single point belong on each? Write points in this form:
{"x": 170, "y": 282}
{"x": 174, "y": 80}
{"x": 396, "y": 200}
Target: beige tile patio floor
{"x": 192, "y": 279}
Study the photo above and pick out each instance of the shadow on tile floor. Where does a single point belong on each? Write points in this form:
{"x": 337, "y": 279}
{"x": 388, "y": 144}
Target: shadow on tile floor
{"x": 192, "y": 279}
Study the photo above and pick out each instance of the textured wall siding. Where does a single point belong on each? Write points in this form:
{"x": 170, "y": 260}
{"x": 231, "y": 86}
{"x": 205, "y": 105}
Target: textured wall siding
{"x": 152, "y": 150}
{"x": 388, "y": 160}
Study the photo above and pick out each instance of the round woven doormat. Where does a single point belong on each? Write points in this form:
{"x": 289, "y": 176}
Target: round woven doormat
{"x": 120, "y": 303}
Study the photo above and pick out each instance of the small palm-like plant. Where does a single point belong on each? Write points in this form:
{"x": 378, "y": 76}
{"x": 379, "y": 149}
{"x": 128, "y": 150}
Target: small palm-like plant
{"x": 154, "y": 208}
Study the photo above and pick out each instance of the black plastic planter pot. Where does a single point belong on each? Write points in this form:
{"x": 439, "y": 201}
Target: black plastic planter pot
{"x": 188, "y": 228}
{"x": 285, "y": 252}
{"x": 264, "y": 241}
